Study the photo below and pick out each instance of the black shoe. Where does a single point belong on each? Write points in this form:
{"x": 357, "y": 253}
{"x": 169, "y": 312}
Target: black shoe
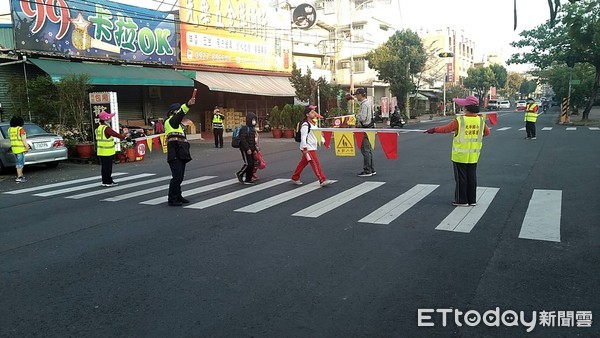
{"x": 239, "y": 177}
{"x": 175, "y": 203}
{"x": 220, "y": 146}
{"x": 182, "y": 200}
{"x": 365, "y": 174}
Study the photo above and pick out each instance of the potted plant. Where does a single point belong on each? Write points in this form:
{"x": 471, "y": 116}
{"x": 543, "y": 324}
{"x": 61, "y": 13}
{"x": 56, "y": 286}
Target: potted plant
{"x": 275, "y": 120}
{"x": 127, "y": 147}
{"x": 286, "y": 121}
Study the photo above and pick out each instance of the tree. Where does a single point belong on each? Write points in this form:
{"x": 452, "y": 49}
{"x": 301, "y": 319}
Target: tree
{"x": 513, "y": 84}
{"x": 73, "y": 93}
{"x": 575, "y": 39}
{"x": 527, "y": 87}
{"x": 480, "y": 79}
{"x": 306, "y": 86}
{"x": 557, "y": 77}
{"x": 500, "y": 75}
{"x": 398, "y": 60}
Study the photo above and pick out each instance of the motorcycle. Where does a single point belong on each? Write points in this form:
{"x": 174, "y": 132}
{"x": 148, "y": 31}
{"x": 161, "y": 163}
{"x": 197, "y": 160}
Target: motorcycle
{"x": 396, "y": 120}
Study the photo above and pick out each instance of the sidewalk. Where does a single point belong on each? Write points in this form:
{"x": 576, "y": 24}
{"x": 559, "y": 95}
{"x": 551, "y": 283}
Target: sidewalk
{"x": 593, "y": 118}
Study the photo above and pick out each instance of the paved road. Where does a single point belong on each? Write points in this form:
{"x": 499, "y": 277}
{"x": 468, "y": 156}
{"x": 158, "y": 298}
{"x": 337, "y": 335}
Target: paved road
{"x": 358, "y": 258}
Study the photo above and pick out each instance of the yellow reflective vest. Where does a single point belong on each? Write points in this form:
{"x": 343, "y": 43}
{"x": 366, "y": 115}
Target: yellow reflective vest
{"x": 467, "y": 143}
{"x": 531, "y": 113}
{"x": 169, "y": 130}
{"x": 105, "y": 146}
{"x": 16, "y": 142}
{"x": 217, "y": 121}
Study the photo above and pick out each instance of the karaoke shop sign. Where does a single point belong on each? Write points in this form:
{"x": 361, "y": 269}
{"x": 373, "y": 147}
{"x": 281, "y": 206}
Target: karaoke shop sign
{"x": 97, "y": 29}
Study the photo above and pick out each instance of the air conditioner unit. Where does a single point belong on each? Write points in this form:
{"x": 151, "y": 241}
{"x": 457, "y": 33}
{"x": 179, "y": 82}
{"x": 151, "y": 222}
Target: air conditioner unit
{"x": 320, "y": 4}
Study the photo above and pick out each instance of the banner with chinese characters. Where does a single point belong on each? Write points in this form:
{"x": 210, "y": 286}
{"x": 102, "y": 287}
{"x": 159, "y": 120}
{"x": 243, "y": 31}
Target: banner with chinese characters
{"x": 243, "y": 34}
{"x": 105, "y": 101}
{"x": 97, "y": 29}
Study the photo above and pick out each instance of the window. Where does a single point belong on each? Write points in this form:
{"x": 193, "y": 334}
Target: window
{"x": 359, "y": 66}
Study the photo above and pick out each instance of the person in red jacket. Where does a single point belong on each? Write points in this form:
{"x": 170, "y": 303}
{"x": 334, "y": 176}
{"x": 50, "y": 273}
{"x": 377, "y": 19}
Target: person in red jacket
{"x": 469, "y": 130}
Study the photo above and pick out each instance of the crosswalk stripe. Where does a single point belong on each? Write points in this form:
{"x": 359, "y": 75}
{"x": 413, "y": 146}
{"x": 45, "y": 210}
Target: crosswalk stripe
{"x": 547, "y": 128}
{"x": 571, "y": 128}
{"x": 87, "y": 186}
{"x": 542, "y": 219}
{"x": 396, "y": 207}
{"x": 594, "y": 128}
{"x": 504, "y": 128}
{"x": 463, "y": 219}
{"x": 59, "y": 184}
{"x": 278, "y": 199}
{"x": 521, "y": 129}
{"x": 154, "y": 189}
{"x": 120, "y": 187}
{"x": 236, "y": 194}
{"x": 163, "y": 199}
{"x": 342, "y": 198}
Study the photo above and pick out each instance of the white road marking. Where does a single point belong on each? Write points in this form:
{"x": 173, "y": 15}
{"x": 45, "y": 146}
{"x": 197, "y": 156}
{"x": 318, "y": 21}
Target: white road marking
{"x": 340, "y": 199}
{"x": 236, "y": 194}
{"x": 163, "y": 199}
{"x": 542, "y": 219}
{"x": 571, "y": 128}
{"x": 396, "y": 207}
{"x": 594, "y": 128}
{"x": 278, "y": 199}
{"x": 87, "y": 186}
{"x": 59, "y": 184}
{"x": 503, "y": 128}
{"x": 463, "y": 219}
{"x": 154, "y": 189}
{"x": 547, "y": 128}
{"x": 521, "y": 129}
{"x": 119, "y": 187}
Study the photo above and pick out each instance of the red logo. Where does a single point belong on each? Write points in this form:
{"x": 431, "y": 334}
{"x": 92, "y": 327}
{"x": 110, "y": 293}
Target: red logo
{"x": 56, "y": 11}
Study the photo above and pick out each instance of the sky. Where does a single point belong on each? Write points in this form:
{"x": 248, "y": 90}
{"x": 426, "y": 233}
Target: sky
{"x": 488, "y": 23}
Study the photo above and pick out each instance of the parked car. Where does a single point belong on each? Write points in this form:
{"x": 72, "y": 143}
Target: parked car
{"x": 521, "y": 103}
{"x": 504, "y": 104}
{"x": 46, "y": 148}
{"x": 492, "y": 104}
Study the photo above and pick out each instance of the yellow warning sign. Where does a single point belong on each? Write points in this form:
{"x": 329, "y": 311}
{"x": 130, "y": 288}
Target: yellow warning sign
{"x": 344, "y": 143}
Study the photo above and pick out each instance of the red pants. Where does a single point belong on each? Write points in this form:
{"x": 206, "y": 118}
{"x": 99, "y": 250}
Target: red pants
{"x": 314, "y": 163}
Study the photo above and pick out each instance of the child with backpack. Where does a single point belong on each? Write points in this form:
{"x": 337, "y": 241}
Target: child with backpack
{"x": 248, "y": 147}
{"x": 308, "y": 146}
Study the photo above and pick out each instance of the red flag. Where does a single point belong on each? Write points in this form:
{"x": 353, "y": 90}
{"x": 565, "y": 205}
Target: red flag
{"x": 389, "y": 144}
{"x": 358, "y": 136}
{"x": 327, "y": 136}
{"x": 493, "y": 117}
{"x": 155, "y": 142}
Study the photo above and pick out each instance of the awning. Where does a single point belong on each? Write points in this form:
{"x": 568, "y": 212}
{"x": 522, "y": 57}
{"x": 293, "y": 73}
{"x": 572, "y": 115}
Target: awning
{"x": 247, "y": 84}
{"x": 104, "y": 74}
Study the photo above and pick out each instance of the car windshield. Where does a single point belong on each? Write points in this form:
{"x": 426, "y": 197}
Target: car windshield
{"x": 30, "y": 130}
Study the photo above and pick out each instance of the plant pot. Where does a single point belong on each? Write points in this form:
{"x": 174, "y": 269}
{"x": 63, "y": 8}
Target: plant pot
{"x": 130, "y": 152}
{"x": 276, "y": 133}
{"x": 85, "y": 150}
{"x": 288, "y": 133}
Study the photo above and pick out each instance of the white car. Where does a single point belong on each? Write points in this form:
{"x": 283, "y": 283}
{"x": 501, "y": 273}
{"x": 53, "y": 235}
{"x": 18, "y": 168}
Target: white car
{"x": 521, "y": 104}
{"x": 504, "y": 105}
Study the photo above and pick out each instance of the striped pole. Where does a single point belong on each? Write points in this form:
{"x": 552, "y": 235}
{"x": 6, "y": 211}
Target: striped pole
{"x": 564, "y": 117}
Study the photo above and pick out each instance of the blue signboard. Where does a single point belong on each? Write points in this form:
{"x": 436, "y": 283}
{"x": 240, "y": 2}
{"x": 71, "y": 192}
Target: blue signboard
{"x": 99, "y": 29}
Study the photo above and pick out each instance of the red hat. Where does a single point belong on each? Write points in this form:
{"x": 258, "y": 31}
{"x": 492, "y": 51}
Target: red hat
{"x": 105, "y": 116}
{"x": 467, "y": 101}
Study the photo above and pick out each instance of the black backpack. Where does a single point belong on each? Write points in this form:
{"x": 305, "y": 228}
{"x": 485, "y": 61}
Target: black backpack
{"x": 235, "y": 138}
{"x": 297, "y": 134}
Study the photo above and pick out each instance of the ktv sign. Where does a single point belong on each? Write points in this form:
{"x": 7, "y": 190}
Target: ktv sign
{"x": 100, "y": 29}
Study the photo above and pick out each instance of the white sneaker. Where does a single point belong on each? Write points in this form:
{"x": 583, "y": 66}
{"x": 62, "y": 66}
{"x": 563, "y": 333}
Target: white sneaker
{"x": 298, "y": 182}
{"x": 326, "y": 183}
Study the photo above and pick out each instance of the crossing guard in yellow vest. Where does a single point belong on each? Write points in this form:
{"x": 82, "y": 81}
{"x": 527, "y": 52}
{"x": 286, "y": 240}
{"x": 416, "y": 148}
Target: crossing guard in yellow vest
{"x": 531, "y": 115}
{"x": 18, "y": 145}
{"x": 217, "y": 125}
{"x": 469, "y": 130}
{"x": 105, "y": 147}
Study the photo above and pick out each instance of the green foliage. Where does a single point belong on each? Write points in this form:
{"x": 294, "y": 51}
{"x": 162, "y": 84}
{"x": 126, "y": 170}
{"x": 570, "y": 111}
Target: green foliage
{"x": 286, "y": 116}
{"x": 44, "y": 103}
{"x": 18, "y": 95}
{"x": 297, "y": 114}
{"x": 527, "y": 87}
{"x": 275, "y": 118}
{"x": 513, "y": 84}
{"x": 73, "y": 93}
{"x": 480, "y": 79}
{"x": 557, "y": 77}
{"x": 302, "y": 83}
{"x": 398, "y": 60}
{"x": 500, "y": 75}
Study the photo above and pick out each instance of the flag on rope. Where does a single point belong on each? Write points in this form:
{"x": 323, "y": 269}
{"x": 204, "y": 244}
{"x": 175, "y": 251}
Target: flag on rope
{"x": 389, "y": 144}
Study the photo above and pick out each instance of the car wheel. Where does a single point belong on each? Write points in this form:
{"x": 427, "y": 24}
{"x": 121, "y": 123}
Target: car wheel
{"x": 52, "y": 164}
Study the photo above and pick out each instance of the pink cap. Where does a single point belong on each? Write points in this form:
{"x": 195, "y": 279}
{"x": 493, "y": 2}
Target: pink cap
{"x": 467, "y": 101}
{"x": 105, "y": 116}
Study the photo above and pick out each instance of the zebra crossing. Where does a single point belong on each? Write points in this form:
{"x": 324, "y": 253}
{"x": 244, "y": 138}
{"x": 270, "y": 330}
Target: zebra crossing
{"x": 541, "y": 221}
{"x": 561, "y": 128}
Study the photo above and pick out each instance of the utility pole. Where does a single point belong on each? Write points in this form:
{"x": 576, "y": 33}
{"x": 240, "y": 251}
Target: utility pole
{"x": 445, "y": 55}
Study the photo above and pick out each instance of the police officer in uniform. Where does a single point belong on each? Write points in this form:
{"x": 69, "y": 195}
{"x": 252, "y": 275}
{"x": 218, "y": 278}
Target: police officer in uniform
{"x": 178, "y": 150}
{"x": 469, "y": 130}
{"x": 217, "y": 125}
